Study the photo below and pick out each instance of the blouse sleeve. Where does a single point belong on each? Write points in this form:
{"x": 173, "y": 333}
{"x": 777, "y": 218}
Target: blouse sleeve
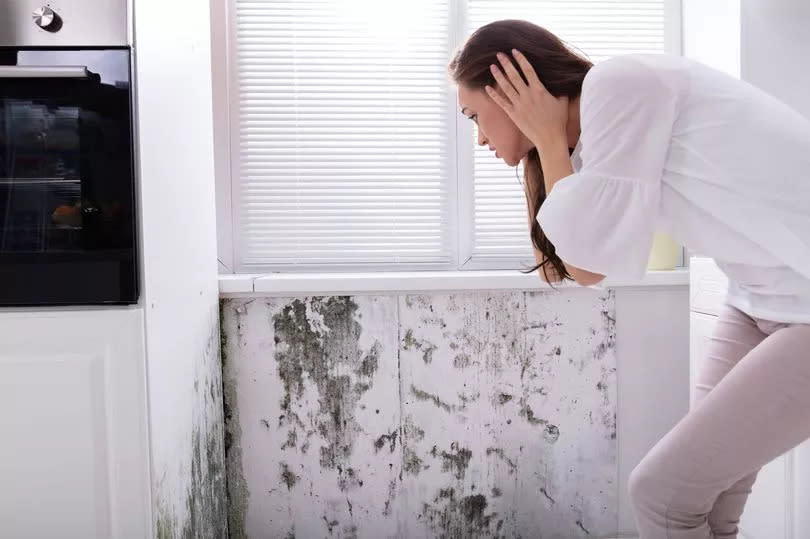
{"x": 603, "y": 217}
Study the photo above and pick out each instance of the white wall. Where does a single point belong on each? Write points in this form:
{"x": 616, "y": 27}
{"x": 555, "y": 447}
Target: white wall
{"x": 711, "y": 33}
{"x": 173, "y": 81}
{"x": 775, "y": 43}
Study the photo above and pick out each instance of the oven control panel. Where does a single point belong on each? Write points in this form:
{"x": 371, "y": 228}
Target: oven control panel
{"x": 64, "y": 23}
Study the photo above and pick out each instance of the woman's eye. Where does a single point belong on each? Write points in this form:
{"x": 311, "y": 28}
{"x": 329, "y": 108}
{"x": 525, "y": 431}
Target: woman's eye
{"x": 474, "y": 118}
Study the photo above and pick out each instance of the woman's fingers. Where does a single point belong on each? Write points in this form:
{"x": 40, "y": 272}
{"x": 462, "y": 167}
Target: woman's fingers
{"x": 528, "y": 70}
{"x": 512, "y": 72}
{"x": 504, "y": 84}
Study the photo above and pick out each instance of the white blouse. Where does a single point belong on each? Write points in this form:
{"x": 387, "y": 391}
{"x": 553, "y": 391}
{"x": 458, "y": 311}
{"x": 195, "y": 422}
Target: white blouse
{"x": 669, "y": 144}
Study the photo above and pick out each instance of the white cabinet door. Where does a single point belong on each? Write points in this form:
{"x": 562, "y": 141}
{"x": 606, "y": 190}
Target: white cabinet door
{"x": 73, "y": 457}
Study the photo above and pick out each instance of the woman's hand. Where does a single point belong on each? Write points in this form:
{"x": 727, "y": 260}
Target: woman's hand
{"x": 542, "y": 117}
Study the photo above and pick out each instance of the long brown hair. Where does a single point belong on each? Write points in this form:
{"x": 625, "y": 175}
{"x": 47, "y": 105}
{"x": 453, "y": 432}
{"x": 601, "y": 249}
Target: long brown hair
{"x": 561, "y": 71}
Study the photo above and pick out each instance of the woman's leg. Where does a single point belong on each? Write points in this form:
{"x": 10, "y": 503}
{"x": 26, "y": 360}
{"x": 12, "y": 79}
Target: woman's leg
{"x": 759, "y": 410}
{"x": 735, "y": 335}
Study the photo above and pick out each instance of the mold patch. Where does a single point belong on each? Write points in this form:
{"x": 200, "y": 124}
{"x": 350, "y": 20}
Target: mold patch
{"x": 317, "y": 340}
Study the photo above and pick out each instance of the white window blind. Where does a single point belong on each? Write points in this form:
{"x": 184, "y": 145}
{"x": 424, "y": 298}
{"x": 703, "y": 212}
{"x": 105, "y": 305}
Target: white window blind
{"x": 600, "y": 29}
{"x": 343, "y": 131}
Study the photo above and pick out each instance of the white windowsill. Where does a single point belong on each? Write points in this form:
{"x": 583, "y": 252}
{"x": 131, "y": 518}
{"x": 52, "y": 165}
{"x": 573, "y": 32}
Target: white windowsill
{"x": 295, "y": 284}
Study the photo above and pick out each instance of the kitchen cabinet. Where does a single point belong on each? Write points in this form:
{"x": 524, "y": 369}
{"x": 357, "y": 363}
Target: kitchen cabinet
{"x": 74, "y": 457}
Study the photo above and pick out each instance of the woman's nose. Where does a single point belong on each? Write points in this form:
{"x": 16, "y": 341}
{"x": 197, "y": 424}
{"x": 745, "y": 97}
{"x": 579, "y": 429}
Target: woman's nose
{"x": 482, "y": 140}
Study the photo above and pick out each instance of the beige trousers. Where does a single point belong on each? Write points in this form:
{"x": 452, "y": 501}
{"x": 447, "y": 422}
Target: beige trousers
{"x": 752, "y": 404}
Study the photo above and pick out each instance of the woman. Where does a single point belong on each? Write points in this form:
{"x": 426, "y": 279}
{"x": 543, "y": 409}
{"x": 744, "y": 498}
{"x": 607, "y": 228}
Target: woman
{"x": 639, "y": 143}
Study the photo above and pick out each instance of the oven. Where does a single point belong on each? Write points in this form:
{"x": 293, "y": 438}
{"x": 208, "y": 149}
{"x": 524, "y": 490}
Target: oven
{"x": 67, "y": 177}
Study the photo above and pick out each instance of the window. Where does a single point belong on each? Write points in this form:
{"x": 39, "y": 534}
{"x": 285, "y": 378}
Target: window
{"x": 347, "y": 150}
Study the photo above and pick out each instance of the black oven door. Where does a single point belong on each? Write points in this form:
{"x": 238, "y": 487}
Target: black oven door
{"x": 67, "y": 213}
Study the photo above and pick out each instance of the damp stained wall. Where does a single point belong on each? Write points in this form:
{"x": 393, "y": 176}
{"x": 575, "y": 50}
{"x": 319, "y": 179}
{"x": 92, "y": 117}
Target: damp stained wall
{"x": 179, "y": 259}
{"x": 476, "y": 414}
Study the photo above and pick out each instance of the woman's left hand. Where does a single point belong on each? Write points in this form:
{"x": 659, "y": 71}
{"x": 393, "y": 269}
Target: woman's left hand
{"x": 542, "y": 117}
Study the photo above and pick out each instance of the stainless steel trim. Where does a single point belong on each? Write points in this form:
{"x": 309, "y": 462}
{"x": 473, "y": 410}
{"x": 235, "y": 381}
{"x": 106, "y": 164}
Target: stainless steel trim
{"x": 42, "y": 72}
{"x": 84, "y": 23}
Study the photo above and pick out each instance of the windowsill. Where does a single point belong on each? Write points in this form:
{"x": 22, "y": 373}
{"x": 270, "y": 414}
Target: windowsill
{"x": 295, "y": 284}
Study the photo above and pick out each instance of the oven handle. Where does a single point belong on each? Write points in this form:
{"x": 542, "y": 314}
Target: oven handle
{"x": 43, "y": 72}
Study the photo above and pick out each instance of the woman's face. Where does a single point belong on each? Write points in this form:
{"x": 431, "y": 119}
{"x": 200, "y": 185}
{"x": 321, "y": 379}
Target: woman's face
{"x": 495, "y": 128}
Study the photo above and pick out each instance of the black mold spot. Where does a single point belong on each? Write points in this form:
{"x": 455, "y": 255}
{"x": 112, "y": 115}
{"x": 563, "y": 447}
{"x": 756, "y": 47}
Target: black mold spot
{"x": 528, "y": 413}
{"x": 391, "y": 438}
{"x": 450, "y": 516}
{"x": 579, "y": 523}
{"x": 330, "y": 524}
{"x": 392, "y": 492}
{"x": 426, "y": 347}
{"x": 462, "y": 361}
{"x": 348, "y": 479}
{"x": 412, "y": 431}
{"x": 503, "y": 398}
{"x": 292, "y": 439}
{"x": 287, "y": 477}
{"x": 496, "y": 493}
{"x": 456, "y": 461}
{"x": 425, "y": 396}
{"x": 472, "y": 508}
{"x": 412, "y": 464}
{"x": 498, "y": 451}
{"x": 545, "y": 493}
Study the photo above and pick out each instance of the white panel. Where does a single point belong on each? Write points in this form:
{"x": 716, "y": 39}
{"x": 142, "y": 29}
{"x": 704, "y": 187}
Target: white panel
{"x": 652, "y": 350}
{"x": 73, "y": 461}
{"x": 54, "y": 446}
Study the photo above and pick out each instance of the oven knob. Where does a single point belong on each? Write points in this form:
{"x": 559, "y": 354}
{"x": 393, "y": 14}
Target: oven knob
{"x": 46, "y": 18}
